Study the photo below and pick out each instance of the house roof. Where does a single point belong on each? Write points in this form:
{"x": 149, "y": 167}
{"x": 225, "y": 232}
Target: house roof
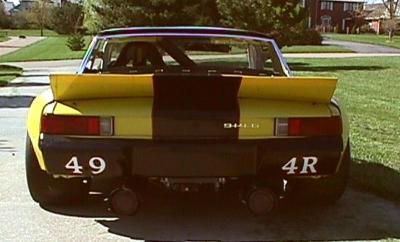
{"x": 377, "y": 11}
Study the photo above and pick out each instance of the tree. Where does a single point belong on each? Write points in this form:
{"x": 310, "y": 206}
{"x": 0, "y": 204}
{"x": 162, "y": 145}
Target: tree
{"x": 20, "y": 20}
{"x": 121, "y": 13}
{"x": 92, "y": 21}
{"x": 206, "y": 12}
{"x": 67, "y": 19}
{"x": 4, "y": 18}
{"x": 391, "y": 24}
{"x": 278, "y": 18}
{"x": 358, "y": 17}
{"x": 3, "y": 15}
{"x": 39, "y": 14}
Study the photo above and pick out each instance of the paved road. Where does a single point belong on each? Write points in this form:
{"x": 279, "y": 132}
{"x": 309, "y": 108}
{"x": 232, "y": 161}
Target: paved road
{"x": 362, "y": 48}
{"x": 15, "y": 43}
{"x": 358, "y": 216}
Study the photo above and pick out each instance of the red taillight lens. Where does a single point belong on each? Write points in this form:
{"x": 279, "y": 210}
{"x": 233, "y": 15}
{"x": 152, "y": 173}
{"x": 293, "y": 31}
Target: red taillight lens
{"x": 314, "y": 126}
{"x": 309, "y": 126}
{"x": 71, "y": 125}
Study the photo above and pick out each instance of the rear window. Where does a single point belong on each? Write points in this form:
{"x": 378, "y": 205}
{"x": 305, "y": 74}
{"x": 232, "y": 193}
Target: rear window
{"x": 173, "y": 54}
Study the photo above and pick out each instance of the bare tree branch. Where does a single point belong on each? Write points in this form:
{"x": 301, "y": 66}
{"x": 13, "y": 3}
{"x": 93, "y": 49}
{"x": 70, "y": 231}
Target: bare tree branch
{"x": 384, "y": 3}
{"x": 396, "y": 7}
{"x": 391, "y": 6}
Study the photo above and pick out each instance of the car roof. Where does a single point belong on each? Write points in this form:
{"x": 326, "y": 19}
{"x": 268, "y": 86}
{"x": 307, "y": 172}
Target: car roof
{"x": 182, "y": 30}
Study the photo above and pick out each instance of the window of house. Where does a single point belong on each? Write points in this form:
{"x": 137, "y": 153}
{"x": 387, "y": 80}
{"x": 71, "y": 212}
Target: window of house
{"x": 351, "y": 6}
{"x": 326, "y": 20}
{"x": 326, "y": 5}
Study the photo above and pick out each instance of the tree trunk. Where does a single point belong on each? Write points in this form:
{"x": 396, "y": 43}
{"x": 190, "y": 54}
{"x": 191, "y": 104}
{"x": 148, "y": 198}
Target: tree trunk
{"x": 391, "y": 35}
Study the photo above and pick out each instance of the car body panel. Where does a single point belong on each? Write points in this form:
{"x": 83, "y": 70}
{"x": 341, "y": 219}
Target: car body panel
{"x": 34, "y": 123}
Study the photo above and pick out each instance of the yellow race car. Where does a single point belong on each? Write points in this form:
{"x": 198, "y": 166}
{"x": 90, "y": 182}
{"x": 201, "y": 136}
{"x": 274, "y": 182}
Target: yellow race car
{"x": 187, "y": 108}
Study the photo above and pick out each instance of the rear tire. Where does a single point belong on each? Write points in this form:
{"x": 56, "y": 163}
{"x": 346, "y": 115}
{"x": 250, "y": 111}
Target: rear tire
{"x": 324, "y": 190}
{"x": 47, "y": 190}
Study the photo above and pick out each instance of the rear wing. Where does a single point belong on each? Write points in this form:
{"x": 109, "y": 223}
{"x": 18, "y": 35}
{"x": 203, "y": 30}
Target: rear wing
{"x": 67, "y": 87}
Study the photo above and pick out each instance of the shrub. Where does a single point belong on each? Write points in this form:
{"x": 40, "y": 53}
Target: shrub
{"x": 20, "y": 21}
{"x": 304, "y": 37}
{"x": 76, "y": 42}
{"x": 366, "y": 29}
{"x": 310, "y": 37}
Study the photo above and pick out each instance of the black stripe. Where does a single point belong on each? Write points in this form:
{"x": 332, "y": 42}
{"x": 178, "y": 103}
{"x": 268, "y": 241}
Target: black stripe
{"x": 195, "y": 107}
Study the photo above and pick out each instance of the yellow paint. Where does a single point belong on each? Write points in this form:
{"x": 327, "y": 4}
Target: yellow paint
{"x": 307, "y": 89}
{"x": 34, "y": 123}
{"x": 89, "y": 86}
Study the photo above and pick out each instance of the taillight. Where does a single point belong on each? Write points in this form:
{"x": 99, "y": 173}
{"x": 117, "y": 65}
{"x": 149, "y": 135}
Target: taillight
{"x": 308, "y": 126}
{"x": 77, "y": 125}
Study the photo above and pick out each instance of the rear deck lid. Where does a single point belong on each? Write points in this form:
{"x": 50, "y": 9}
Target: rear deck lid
{"x": 196, "y": 107}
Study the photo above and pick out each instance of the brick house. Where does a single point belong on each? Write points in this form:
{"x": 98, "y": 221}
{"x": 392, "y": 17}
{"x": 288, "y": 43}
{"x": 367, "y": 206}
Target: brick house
{"x": 28, "y": 4}
{"x": 330, "y": 15}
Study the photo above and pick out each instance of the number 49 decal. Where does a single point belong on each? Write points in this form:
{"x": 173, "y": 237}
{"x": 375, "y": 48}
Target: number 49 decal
{"x": 97, "y": 164}
{"x": 308, "y": 166}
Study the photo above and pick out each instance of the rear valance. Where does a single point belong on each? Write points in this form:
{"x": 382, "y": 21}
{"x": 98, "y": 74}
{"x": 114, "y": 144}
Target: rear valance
{"x": 90, "y": 86}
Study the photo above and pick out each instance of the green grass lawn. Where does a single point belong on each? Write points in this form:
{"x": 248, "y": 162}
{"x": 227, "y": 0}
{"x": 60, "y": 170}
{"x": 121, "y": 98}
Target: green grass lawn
{"x": 315, "y": 49}
{"x": 367, "y": 38}
{"x": 369, "y": 90}
{"x": 28, "y": 32}
{"x": 8, "y": 73}
{"x": 52, "y": 48}
{"x": 3, "y": 38}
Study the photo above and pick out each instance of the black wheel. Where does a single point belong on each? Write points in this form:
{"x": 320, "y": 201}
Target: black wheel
{"x": 48, "y": 190}
{"x": 324, "y": 190}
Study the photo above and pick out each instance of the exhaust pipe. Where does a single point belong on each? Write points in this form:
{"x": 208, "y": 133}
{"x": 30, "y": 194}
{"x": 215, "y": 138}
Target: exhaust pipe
{"x": 261, "y": 201}
{"x": 124, "y": 201}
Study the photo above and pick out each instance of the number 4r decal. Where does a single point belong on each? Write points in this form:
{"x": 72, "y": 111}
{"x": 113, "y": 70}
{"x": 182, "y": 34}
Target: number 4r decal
{"x": 308, "y": 166}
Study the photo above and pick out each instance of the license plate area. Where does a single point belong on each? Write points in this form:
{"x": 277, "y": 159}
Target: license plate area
{"x": 194, "y": 160}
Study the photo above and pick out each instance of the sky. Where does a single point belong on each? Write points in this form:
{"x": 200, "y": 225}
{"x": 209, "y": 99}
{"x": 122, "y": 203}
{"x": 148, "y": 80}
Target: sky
{"x": 369, "y": 1}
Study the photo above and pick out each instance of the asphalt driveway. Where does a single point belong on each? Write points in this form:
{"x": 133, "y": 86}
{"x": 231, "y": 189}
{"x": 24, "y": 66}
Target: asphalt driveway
{"x": 362, "y": 48}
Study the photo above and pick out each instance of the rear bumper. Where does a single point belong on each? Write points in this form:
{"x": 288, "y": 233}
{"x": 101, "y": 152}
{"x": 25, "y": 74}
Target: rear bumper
{"x": 190, "y": 158}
